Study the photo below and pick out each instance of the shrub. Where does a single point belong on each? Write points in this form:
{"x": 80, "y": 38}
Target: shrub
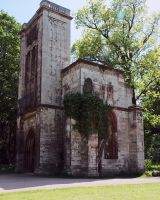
{"x": 148, "y": 165}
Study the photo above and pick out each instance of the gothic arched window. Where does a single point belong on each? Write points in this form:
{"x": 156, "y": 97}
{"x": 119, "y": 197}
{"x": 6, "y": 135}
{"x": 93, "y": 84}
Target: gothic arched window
{"x": 112, "y": 146}
{"x": 109, "y": 91}
{"x": 88, "y": 86}
{"x": 27, "y": 71}
{"x": 29, "y": 153}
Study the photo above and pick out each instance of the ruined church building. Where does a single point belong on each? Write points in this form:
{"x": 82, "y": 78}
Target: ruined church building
{"x": 46, "y": 141}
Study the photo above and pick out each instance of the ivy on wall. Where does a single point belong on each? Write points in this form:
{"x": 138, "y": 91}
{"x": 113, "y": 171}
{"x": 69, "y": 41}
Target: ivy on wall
{"x": 89, "y": 112}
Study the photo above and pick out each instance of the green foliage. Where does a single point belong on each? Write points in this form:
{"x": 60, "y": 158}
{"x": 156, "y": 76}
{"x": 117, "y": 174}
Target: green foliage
{"x": 151, "y": 169}
{"x": 121, "y": 34}
{"x": 151, "y": 104}
{"x": 9, "y": 66}
{"x": 89, "y": 112}
{"x": 9, "y": 69}
{"x": 152, "y": 143}
{"x": 148, "y": 164}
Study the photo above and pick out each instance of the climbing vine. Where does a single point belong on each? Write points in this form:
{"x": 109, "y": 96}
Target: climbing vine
{"x": 89, "y": 112}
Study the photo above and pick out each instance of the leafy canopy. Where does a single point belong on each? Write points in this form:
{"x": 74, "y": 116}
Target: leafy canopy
{"x": 121, "y": 34}
{"x": 9, "y": 66}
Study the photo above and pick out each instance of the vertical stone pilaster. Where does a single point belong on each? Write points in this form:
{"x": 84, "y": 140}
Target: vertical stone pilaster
{"x": 92, "y": 156}
{"x": 136, "y": 140}
{"x": 67, "y": 147}
{"x": 19, "y": 146}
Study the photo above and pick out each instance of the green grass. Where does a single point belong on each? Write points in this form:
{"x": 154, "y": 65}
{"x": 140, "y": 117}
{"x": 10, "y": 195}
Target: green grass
{"x": 123, "y": 192}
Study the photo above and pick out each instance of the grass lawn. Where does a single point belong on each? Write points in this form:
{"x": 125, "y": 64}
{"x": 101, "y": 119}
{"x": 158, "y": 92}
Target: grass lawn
{"x": 122, "y": 192}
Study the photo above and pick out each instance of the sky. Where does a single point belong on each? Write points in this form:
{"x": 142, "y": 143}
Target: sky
{"x": 24, "y": 10}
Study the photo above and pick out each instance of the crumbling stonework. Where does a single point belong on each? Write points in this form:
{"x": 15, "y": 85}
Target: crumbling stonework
{"x": 109, "y": 85}
{"x": 46, "y": 140}
{"x": 45, "y": 51}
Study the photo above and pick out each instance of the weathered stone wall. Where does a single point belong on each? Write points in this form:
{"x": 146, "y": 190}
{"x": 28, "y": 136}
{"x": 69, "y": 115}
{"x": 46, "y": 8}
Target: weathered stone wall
{"x": 136, "y": 140}
{"x": 51, "y": 141}
{"x": 55, "y": 56}
{"x": 71, "y": 82}
{"x": 74, "y": 79}
{"x": 24, "y": 51}
{"x": 58, "y": 147}
{"x": 28, "y": 118}
{"x": 130, "y": 148}
{"x": 93, "y": 155}
{"x": 24, "y": 125}
{"x": 113, "y": 167}
{"x": 75, "y": 151}
{"x": 49, "y": 31}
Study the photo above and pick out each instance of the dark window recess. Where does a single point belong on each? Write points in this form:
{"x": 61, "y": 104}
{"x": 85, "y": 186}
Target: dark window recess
{"x": 32, "y": 35}
{"x": 30, "y": 152}
{"x": 112, "y": 146}
{"x": 88, "y": 86}
{"x": 33, "y": 61}
{"x": 27, "y": 69}
{"x": 109, "y": 91}
{"x": 27, "y": 103}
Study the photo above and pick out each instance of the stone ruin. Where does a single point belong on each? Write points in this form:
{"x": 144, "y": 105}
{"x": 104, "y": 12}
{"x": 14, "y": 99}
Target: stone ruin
{"x": 47, "y": 143}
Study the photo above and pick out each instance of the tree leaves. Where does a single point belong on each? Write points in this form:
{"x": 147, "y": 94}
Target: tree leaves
{"x": 121, "y": 34}
{"x": 89, "y": 112}
{"x": 9, "y": 66}
{"x": 118, "y": 42}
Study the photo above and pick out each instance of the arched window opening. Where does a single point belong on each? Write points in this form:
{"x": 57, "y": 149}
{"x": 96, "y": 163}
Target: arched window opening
{"x": 112, "y": 146}
{"x": 109, "y": 91}
{"x": 29, "y": 154}
{"x": 88, "y": 86}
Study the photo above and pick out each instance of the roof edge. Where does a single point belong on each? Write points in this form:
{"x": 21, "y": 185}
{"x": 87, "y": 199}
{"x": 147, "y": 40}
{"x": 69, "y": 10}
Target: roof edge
{"x": 37, "y": 14}
{"x": 80, "y": 60}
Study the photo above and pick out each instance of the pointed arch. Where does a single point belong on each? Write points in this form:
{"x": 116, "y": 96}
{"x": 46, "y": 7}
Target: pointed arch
{"x": 88, "y": 86}
{"x": 29, "y": 154}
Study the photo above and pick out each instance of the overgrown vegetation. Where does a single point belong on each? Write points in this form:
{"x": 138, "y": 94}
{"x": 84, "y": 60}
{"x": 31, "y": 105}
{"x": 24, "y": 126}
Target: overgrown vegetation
{"x": 9, "y": 68}
{"x": 89, "y": 112}
{"x": 152, "y": 169}
{"x": 126, "y": 35}
{"x": 120, "y": 34}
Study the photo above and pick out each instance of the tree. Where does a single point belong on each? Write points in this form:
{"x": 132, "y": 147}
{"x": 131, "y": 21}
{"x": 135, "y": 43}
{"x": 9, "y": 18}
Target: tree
{"x": 9, "y": 68}
{"x": 151, "y": 104}
{"x": 121, "y": 35}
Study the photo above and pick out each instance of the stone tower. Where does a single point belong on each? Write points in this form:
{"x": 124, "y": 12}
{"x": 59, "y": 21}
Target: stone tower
{"x": 45, "y": 51}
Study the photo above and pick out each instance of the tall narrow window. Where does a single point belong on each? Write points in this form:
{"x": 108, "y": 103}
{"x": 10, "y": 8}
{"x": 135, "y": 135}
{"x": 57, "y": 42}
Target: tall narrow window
{"x": 112, "y": 147}
{"x": 27, "y": 72}
{"x": 88, "y": 86}
{"x": 33, "y": 62}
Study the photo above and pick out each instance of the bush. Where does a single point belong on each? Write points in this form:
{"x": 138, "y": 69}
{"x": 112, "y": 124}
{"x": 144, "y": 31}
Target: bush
{"x": 148, "y": 165}
{"x": 155, "y": 173}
